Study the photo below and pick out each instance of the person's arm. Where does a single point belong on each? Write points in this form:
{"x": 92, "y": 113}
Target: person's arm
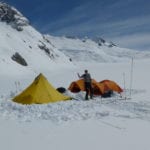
{"x": 82, "y": 76}
{"x": 78, "y": 75}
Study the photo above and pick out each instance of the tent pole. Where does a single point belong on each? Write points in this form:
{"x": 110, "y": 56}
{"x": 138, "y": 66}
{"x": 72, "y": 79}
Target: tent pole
{"x": 124, "y": 85}
{"x": 131, "y": 76}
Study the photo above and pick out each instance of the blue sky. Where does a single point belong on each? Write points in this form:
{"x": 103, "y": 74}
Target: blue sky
{"x": 125, "y": 22}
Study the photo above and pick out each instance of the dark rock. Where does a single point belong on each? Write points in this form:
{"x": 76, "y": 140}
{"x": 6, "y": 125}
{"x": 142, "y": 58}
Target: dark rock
{"x": 19, "y": 59}
{"x": 11, "y": 16}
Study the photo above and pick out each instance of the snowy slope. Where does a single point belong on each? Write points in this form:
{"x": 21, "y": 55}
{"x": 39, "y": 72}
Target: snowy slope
{"x": 95, "y": 50}
{"x": 28, "y": 42}
{"x": 18, "y": 37}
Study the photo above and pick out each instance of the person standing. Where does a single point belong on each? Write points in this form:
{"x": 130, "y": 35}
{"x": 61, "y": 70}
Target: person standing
{"x": 87, "y": 83}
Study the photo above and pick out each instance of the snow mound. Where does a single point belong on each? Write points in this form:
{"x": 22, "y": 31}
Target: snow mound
{"x": 76, "y": 109}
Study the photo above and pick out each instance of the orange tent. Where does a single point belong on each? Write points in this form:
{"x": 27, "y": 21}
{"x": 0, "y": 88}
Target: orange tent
{"x": 77, "y": 86}
{"x": 111, "y": 85}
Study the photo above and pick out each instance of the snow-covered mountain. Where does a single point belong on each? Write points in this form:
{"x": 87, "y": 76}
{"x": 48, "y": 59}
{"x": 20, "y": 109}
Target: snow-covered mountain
{"x": 101, "y": 123}
{"x": 96, "y": 49}
{"x": 24, "y": 52}
{"x": 22, "y": 46}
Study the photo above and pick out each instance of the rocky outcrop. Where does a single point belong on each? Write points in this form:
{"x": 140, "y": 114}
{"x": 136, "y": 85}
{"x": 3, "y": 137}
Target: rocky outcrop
{"x": 11, "y": 16}
{"x": 19, "y": 59}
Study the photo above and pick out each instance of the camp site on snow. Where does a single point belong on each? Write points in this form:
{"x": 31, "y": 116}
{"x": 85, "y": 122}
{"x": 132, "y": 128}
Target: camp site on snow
{"x": 41, "y": 91}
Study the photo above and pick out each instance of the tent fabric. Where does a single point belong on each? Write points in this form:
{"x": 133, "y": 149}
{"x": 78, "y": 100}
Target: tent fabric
{"x": 39, "y": 92}
{"x": 111, "y": 85}
{"x": 78, "y": 86}
{"x": 99, "y": 88}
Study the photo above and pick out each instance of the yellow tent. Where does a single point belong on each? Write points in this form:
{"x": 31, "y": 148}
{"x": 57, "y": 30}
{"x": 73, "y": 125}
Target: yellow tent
{"x": 39, "y": 92}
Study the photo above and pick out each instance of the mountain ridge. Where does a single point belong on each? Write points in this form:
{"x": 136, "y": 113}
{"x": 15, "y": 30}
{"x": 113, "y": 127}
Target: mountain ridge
{"x": 23, "y": 46}
{"x": 94, "y": 49}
